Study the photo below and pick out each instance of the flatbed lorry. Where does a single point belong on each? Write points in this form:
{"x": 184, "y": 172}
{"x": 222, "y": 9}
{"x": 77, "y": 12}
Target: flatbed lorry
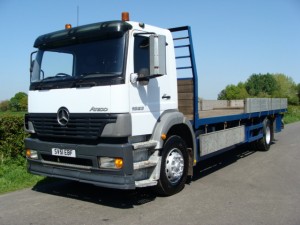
{"x": 116, "y": 104}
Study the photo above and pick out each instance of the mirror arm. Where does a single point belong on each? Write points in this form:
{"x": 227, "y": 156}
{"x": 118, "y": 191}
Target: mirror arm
{"x": 154, "y": 76}
{"x": 143, "y": 78}
{"x": 31, "y": 60}
{"x": 143, "y": 34}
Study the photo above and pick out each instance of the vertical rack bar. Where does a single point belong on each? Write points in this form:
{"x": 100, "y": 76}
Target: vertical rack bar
{"x": 193, "y": 68}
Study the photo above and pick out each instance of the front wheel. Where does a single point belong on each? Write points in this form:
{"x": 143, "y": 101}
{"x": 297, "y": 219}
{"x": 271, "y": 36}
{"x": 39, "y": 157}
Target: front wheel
{"x": 174, "y": 166}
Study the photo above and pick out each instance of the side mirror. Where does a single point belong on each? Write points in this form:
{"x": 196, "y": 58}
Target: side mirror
{"x": 157, "y": 47}
{"x": 152, "y": 60}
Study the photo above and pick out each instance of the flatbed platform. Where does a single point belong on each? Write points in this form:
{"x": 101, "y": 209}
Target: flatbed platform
{"x": 219, "y": 112}
{"x": 222, "y": 108}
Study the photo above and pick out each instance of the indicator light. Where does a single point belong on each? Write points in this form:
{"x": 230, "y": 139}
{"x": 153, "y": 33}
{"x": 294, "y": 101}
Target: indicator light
{"x": 28, "y": 153}
{"x": 163, "y": 136}
{"x": 119, "y": 163}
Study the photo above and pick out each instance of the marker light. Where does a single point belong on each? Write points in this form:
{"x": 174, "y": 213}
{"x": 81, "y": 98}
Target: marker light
{"x": 68, "y": 26}
{"x": 125, "y": 16}
{"x": 163, "y": 136}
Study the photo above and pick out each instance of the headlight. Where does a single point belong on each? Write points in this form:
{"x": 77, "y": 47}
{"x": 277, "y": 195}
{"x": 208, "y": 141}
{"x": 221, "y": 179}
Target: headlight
{"x": 110, "y": 163}
{"x": 32, "y": 154}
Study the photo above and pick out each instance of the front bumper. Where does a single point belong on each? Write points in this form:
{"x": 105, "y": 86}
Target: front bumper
{"x": 48, "y": 165}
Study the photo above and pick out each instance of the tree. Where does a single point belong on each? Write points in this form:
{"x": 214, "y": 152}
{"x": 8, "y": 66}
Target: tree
{"x": 19, "y": 102}
{"x": 24, "y": 103}
{"x": 4, "y": 105}
{"x": 298, "y": 88}
{"x": 261, "y": 85}
{"x": 264, "y": 85}
{"x": 233, "y": 92}
{"x": 286, "y": 88}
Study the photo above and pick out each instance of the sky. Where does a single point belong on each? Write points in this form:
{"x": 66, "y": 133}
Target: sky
{"x": 232, "y": 39}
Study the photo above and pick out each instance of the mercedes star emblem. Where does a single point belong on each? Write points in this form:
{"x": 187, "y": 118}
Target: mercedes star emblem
{"x": 63, "y": 116}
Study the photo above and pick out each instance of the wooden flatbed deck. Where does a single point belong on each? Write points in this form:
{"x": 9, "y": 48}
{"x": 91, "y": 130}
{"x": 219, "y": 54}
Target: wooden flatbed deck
{"x": 219, "y": 108}
{"x": 219, "y": 112}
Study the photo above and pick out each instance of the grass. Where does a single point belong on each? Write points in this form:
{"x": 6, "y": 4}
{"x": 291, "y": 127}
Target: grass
{"x": 293, "y": 114}
{"x": 13, "y": 172}
{"x": 14, "y": 176}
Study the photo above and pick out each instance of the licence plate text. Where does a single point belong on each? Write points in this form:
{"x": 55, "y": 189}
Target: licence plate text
{"x": 64, "y": 152}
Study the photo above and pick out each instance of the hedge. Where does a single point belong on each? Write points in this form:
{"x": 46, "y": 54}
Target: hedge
{"x": 11, "y": 137}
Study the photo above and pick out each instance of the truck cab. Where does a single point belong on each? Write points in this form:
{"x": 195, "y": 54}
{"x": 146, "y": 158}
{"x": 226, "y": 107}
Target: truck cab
{"x": 101, "y": 96}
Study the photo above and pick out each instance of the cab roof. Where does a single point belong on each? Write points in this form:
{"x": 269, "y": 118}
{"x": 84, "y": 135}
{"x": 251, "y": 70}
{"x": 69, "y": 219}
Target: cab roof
{"x": 82, "y": 33}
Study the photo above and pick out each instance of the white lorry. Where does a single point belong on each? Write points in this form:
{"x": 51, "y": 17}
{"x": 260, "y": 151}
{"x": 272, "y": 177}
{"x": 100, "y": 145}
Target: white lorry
{"x": 115, "y": 104}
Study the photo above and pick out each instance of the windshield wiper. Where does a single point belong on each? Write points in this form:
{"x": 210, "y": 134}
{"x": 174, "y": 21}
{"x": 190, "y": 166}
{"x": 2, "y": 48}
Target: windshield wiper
{"x": 84, "y": 80}
{"x": 85, "y": 84}
{"x": 59, "y": 75}
{"x": 44, "y": 86}
{"x": 98, "y": 74}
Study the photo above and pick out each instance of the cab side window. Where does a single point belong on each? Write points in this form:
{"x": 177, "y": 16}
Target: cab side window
{"x": 141, "y": 53}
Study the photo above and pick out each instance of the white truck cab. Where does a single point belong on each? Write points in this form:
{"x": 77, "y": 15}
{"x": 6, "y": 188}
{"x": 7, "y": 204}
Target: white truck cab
{"x": 96, "y": 95}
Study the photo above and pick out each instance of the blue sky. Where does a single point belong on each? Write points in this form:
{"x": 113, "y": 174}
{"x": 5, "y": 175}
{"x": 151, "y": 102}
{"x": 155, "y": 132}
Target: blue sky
{"x": 232, "y": 38}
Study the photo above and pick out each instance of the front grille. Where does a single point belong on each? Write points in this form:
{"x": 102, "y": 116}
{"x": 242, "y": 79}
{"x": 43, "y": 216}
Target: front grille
{"x": 67, "y": 160}
{"x": 83, "y": 126}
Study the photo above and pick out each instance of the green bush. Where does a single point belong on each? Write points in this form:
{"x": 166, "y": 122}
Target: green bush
{"x": 293, "y": 114}
{"x": 11, "y": 137}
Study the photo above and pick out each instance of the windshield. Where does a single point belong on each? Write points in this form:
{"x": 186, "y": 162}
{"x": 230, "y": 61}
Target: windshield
{"x": 95, "y": 63}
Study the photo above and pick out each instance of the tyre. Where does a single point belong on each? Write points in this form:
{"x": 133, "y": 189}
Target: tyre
{"x": 264, "y": 143}
{"x": 174, "y": 167}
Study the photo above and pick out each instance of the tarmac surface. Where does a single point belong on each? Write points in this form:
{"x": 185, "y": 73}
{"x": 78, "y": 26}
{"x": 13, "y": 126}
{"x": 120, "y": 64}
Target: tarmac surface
{"x": 242, "y": 186}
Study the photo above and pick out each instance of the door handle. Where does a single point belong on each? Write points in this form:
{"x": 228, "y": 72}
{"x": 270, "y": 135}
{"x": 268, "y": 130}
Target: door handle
{"x": 165, "y": 96}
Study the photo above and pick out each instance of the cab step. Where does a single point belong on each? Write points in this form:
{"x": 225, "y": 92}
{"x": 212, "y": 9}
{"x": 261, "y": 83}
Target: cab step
{"x": 144, "y": 164}
{"x": 146, "y": 144}
{"x": 145, "y": 183}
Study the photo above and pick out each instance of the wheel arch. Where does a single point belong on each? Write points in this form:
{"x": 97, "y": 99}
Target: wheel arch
{"x": 170, "y": 122}
{"x": 175, "y": 123}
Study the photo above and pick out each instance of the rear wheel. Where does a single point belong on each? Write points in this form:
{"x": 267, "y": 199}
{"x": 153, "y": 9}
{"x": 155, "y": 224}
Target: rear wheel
{"x": 264, "y": 143}
{"x": 174, "y": 166}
